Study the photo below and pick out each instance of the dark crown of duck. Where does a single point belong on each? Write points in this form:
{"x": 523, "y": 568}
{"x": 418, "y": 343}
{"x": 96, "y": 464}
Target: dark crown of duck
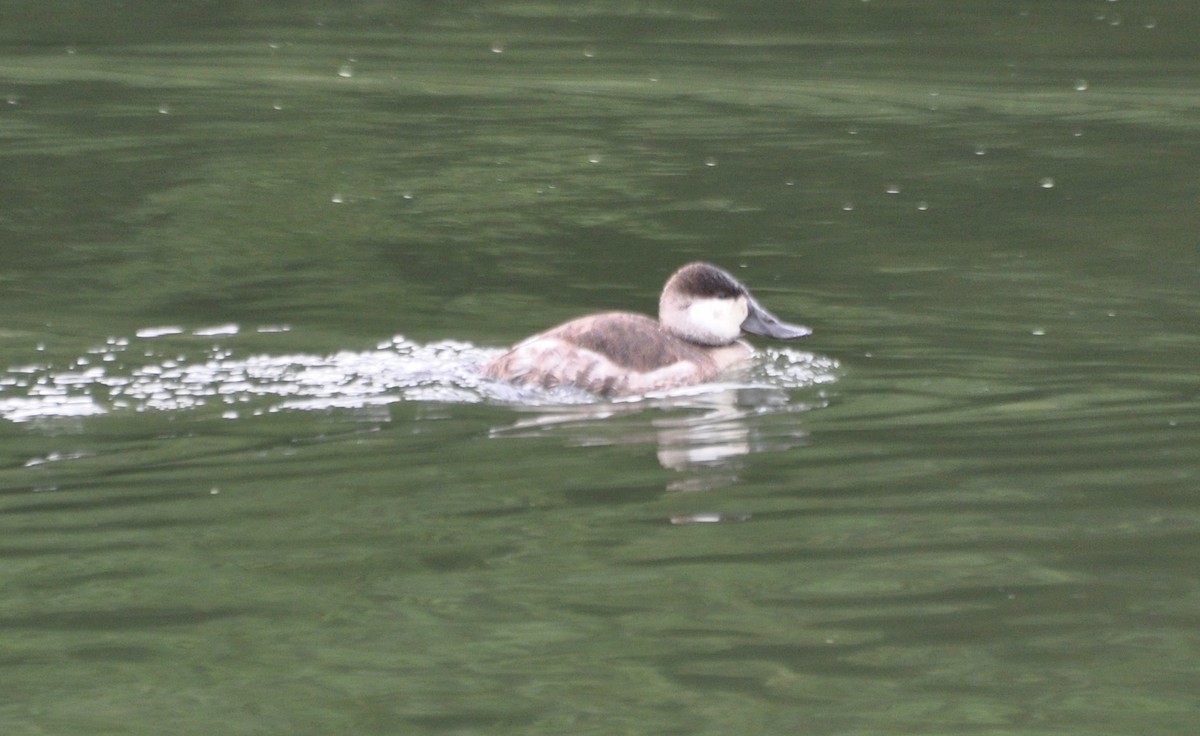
{"x": 707, "y": 281}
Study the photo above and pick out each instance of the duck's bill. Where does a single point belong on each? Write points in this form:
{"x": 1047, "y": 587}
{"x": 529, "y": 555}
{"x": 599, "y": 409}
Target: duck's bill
{"x": 761, "y": 322}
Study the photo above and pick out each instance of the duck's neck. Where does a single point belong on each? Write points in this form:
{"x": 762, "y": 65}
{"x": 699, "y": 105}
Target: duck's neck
{"x": 727, "y": 356}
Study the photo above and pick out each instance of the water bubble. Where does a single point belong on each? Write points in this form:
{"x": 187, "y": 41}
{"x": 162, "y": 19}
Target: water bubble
{"x": 497, "y": 47}
{"x": 216, "y": 330}
{"x": 149, "y": 332}
{"x": 164, "y": 109}
{"x": 847, "y": 206}
{"x": 1150, "y": 24}
{"x": 1046, "y": 183}
{"x": 589, "y": 53}
{"x": 594, "y": 158}
{"x": 708, "y": 518}
{"x": 276, "y": 105}
{"x": 893, "y": 189}
{"x": 13, "y": 99}
{"x": 710, "y": 161}
{"x": 980, "y": 150}
{"x": 922, "y": 206}
{"x": 345, "y": 71}
{"x": 1081, "y": 85}
{"x": 1038, "y": 331}
{"x": 337, "y": 198}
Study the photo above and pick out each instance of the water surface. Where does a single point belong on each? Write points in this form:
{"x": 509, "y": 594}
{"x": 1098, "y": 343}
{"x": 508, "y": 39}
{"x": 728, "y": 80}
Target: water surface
{"x": 252, "y": 258}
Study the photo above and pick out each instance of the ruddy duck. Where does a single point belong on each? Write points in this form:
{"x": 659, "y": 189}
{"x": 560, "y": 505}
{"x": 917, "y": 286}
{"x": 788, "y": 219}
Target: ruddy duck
{"x": 701, "y": 313}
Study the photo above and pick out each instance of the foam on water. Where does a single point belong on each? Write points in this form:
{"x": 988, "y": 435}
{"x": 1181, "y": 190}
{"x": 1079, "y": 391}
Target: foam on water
{"x": 133, "y": 374}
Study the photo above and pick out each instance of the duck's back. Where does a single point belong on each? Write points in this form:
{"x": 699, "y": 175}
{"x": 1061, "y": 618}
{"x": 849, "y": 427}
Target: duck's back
{"x": 613, "y": 354}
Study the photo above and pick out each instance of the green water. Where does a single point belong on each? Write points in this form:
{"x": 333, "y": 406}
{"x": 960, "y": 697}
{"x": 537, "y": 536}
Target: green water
{"x": 252, "y": 255}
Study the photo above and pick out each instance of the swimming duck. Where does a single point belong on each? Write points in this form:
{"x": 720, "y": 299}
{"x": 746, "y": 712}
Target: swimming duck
{"x": 701, "y": 314}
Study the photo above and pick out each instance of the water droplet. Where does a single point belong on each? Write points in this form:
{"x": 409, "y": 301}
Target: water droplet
{"x": 893, "y": 189}
{"x": 848, "y": 207}
{"x": 1038, "y": 331}
{"x": 708, "y": 518}
{"x": 497, "y": 47}
{"x": 149, "y": 332}
{"x": 13, "y": 99}
{"x": 217, "y": 330}
{"x": 1046, "y": 183}
{"x": 277, "y": 105}
{"x": 980, "y": 151}
{"x": 1081, "y": 85}
{"x": 589, "y": 53}
{"x": 345, "y": 71}
{"x": 164, "y": 109}
{"x": 1150, "y": 24}
{"x": 710, "y": 161}
{"x": 337, "y": 198}
{"x": 922, "y": 206}
{"x": 594, "y": 158}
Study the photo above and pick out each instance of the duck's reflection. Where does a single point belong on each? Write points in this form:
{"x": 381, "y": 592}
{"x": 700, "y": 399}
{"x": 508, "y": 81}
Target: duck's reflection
{"x": 702, "y": 435}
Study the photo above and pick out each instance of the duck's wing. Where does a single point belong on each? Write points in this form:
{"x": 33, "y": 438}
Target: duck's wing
{"x": 614, "y": 354}
{"x": 634, "y": 342}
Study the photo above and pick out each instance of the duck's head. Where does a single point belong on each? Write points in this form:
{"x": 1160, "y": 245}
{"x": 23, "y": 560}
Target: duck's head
{"x": 705, "y": 305}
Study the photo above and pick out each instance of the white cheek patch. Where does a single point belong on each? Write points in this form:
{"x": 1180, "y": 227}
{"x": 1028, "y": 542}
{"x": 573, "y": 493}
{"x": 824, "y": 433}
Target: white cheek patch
{"x": 717, "y": 320}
